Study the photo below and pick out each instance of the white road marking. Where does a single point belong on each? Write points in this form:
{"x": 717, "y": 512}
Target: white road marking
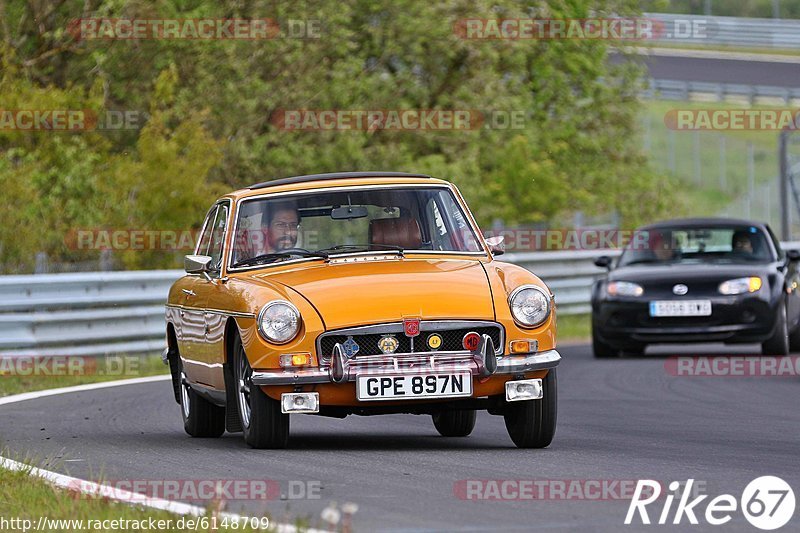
{"x": 105, "y": 491}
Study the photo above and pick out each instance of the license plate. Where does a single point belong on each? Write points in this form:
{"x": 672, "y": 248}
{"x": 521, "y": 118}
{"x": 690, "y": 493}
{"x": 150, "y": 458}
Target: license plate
{"x": 681, "y": 308}
{"x": 414, "y": 386}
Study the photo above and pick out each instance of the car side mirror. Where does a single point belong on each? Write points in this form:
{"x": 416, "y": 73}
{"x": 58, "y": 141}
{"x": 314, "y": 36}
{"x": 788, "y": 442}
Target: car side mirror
{"x": 197, "y": 264}
{"x": 497, "y": 245}
{"x": 603, "y": 262}
{"x": 793, "y": 255}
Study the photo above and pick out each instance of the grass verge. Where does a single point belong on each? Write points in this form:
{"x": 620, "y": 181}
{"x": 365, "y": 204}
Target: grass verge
{"x": 25, "y": 500}
{"x": 18, "y": 375}
{"x": 573, "y": 329}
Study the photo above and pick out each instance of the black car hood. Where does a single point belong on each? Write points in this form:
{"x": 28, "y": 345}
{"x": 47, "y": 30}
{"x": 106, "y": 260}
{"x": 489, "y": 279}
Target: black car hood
{"x": 701, "y": 279}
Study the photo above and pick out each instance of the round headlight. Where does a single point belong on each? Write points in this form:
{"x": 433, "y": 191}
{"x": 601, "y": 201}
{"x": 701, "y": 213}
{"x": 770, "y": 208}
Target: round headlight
{"x": 530, "y": 305}
{"x": 279, "y": 321}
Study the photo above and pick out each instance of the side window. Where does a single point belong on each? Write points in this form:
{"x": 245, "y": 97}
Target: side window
{"x": 205, "y": 235}
{"x": 218, "y": 237}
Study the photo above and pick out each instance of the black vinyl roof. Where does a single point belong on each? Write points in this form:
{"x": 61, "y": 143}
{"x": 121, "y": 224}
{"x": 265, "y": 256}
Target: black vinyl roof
{"x": 334, "y": 176}
{"x": 701, "y": 222}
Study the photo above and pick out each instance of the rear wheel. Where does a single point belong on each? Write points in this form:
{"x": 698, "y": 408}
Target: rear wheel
{"x": 778, "y": 344}
{"x": 263, "y": 423}
{"x": 455, "y": 423}
{"x": 201, "y": 418}
{"x": 532, "y": 423}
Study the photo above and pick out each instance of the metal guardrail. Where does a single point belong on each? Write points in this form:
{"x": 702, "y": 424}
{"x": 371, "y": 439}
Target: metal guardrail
{"x": 100, "y": 313}
{"x": 729, "y": 31}
{"x": 721, "y": 92}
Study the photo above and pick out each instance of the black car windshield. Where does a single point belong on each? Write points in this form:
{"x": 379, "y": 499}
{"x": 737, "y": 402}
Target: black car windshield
{"x": 728, "y": 244}
{"x": 323, "y": 223}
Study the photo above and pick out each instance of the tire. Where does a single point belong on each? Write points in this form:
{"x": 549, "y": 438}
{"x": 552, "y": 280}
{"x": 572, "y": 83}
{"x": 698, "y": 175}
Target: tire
{"x": 794, "y": 340}
{"x": 455, "y": 423}
{"x": 778, "y": 344}
{"x": 532, "y": 423}
{"x": 201, "y": 418}
{"x": 263, "y": 424}
{"x": 601, "y": 349}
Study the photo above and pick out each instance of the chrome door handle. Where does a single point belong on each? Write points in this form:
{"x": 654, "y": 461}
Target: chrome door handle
{"x": 188, "y": 292}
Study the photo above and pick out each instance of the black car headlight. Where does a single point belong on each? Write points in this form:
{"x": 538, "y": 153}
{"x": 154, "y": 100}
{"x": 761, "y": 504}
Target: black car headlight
{"x": 624, "y": 288}
{"x": 530, "y": 305}
{"x": 279, "y": 321}
{"x": 740, "y": 285}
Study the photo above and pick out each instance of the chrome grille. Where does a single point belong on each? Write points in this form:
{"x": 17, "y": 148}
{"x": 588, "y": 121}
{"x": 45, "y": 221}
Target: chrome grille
{"x": 451, "y": 331}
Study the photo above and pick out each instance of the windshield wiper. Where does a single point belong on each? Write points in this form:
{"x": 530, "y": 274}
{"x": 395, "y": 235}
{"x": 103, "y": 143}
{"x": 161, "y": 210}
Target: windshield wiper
{"x": 275, "y": 256}
{"x": 362, "y": 247}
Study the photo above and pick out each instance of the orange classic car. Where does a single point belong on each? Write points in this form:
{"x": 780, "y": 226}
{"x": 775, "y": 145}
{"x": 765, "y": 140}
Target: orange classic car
{"x": 357, "y": 293}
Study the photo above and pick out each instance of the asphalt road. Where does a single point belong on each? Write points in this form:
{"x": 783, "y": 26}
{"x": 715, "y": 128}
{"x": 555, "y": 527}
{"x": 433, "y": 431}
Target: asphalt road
{"x": 618, "y": 420}
{"x": 720, "y": 70}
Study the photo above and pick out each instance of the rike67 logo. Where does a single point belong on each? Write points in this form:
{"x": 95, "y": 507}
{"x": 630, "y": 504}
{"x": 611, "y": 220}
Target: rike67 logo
{"x": 767, "y": 502}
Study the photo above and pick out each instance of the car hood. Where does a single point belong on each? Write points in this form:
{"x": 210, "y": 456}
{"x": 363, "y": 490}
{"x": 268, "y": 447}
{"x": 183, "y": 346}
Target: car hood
{"x": 700, "y": 279}
{"x": 683, "y": 272}
{"x": 369, "y": 292}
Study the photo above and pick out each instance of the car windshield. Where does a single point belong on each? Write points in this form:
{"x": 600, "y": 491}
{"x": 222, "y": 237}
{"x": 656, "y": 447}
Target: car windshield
{"x": 729, "y": 244}
{"x": 318, "y": 224}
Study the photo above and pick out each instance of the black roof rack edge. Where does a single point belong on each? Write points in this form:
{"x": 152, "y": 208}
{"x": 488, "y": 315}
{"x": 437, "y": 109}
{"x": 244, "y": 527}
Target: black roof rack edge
{"x": 334, "y": 176}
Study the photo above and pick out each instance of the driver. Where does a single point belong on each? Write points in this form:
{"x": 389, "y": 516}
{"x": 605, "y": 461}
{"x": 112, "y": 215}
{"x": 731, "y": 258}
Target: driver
{"x": 661, "y": 246}
{"x": 281, "y": 227}
{"x": 741, "y": 243}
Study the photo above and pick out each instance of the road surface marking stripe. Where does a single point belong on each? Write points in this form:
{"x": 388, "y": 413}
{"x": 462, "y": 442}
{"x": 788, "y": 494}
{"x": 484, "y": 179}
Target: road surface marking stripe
{"x": 104, "y": 491}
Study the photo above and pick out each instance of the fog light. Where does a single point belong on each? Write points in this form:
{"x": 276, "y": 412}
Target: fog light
{"x": 523, "y": 389}
{"x": 300, "y": 402}
{"x": 295, "y": 360}
{"x": 523, "y": 346}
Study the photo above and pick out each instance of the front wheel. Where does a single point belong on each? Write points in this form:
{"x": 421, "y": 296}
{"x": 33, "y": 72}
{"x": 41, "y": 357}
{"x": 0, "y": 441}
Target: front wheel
{"x": 532, "y": 423}
{"x": 602, "y": 350}
{"x": 778, "y": 344}
{"x": 263, "y": 424}
{"x": 455, "y": 423}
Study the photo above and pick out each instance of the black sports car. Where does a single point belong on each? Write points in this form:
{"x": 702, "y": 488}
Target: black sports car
{"x": 698, "y": 280}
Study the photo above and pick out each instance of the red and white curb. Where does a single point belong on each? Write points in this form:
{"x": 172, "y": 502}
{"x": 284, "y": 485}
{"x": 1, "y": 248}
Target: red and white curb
{"x": 96, "y": 490}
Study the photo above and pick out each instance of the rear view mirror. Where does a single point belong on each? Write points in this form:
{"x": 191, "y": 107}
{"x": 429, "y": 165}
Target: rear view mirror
{"x": 197, "y": 264}
{"x": 348, "y": 212}
{"x": 603, "y": 262}
{"x": 496, "y": 245}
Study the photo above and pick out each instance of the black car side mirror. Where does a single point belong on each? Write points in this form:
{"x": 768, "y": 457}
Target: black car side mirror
{"x": 603, "y": 262}
{"x": 793, "y": 255}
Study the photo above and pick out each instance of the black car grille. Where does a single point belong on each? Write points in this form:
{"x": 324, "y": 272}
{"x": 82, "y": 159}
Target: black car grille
{"x": 368, "y": 343}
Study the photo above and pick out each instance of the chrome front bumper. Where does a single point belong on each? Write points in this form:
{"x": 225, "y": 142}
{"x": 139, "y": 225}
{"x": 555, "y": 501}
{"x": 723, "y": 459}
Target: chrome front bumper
{"x": 416, "y": 363}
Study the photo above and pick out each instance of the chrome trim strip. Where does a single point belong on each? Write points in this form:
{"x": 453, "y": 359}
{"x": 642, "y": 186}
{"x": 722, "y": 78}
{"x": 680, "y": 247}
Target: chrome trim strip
{"x": 397, "y": 327}
{"x": 212, "y": 311}
{"x": 448, "y": 362}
